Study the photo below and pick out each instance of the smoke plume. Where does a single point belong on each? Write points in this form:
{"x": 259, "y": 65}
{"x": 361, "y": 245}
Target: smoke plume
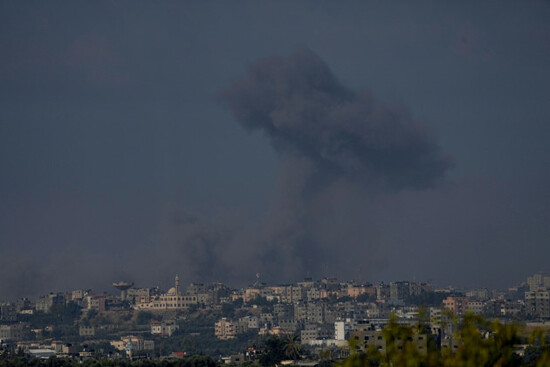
{"x": 339, "y": 148}
{"x": 307, "y": 112}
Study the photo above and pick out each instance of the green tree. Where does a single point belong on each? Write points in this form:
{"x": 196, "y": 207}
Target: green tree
{"x": 273, "y": 352}
{"x": 291, "y": 347}
{"x": 482, "y": 343}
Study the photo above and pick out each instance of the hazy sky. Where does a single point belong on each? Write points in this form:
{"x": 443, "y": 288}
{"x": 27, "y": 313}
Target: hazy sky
{"x": 366, "y": 140}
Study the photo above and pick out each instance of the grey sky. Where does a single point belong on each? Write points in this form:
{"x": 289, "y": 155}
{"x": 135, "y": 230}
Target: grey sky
{"x": 119, "y": 158}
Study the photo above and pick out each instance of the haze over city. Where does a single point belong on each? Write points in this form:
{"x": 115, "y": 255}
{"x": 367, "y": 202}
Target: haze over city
{"x": 219, "y": 140}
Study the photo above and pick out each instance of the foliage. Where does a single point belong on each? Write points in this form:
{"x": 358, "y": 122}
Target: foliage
{"x": 228, "y": 310}
{"x": 144, "y": 317}
{"x": 482, "y": 343}
{"x": 274, "y": 351}
{"x": 61, "y": 314}
{"x": 291, "y": 347}
{"x": 277, "y": 349}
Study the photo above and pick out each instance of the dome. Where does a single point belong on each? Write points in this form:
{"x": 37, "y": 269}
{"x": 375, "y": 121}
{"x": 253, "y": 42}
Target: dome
{"x": 171, "y": 291}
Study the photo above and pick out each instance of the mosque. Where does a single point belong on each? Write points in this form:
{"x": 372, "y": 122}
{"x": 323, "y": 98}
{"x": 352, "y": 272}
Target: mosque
{"x": 171, "y": 300}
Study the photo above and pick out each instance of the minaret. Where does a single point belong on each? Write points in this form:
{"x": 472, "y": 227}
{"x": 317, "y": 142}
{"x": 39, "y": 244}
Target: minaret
{"x": 177, "y": 285}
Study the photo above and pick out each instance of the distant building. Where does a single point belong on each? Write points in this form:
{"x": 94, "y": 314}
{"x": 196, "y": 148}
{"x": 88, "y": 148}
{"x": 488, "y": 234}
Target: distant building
{"x": 538, "y": 281}
{"x": 341, "y": 330}
{"x": 12, "y": 332}
{"x": 96, "y": 302}
{"x": 172, "y": 300}
{"x": 399, "y": 290}
{"x": 133, "y": 344}
{"x": 478, "y": 294}
{"x": 248, "y": 322}
{"x": 61, "y": 348}
{"x": 476, "y": 307}
{"x": 456, "y": 304}
{"x": 86, "y": 331}
{"x": 45, "y": 303}
{"x": 316, "y": 332}
{"x": 225, "y": 329}
{"x": 368, "y": 338}
{"x": 8, "y": 312}
{"x": 537, "y": 303}
{"x": 164, "y": 328}
{"x": 139, "y": 295}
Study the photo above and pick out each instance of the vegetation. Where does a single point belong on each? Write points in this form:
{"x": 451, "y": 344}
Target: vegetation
{"x": 481, "y": 343}
{"x": 273, "y": 352}
{"x": 62, "y": 314}
{"x": 291, "y": 347}
{"x": 277, "y": 349}
{"x": 145, "y": 318}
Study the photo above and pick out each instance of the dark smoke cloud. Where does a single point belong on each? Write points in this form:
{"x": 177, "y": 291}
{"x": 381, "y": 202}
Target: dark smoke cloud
{"x": 339, "y": 147}
{"x": 299, "y": 103}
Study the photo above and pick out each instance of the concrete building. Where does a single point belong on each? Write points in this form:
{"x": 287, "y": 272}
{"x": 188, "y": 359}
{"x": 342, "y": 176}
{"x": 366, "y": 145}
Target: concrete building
{"x": 140, "y": 295}
{"x": 382, "y": 292}
{"x": 86, "y": 331}
{"x": 537, "y": 303}
{"x": 8, "y": 312}
{"x": 283, "y": 311}
{"x": 342, "y": 329}
{"x": 538, "y": 281}
{"x": 290, "y": 326}
{"x": 196, "y": 288}
{"x": 249, "y": 322}
{"x": 315, "y": 332}
{"x": 315, "y": 313}
{"x": 476, "y": 307}
{"x": 300, "y": 311}
{"x": 457, "y": 305}
{"x": 133, "y": 345}
{"x": 399, "y": 290}
{"x": 366, "y": 339}
{"x": 13, "y": 332}
{"x": 313, "y": 294}
{"x": 512, "y": 309}
{"x": 172, "y": 300}
{"x": 164, "y": 328}
{"x": 478, "y": 294}
{"x": 45, "y": 303}
{"x": 97, "y": 302}
{"x": 225, "y": 329}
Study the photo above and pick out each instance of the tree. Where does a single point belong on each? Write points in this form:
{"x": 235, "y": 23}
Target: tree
{"x": 273, "y": 352}
{"x": 482, "y": 343}
{"x": 291, "y": 347}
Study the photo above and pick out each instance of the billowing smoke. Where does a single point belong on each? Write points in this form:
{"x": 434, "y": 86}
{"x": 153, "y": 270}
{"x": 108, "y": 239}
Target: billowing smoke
{"x": 307, "y": 112}
{"x": 340, "y": 148}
